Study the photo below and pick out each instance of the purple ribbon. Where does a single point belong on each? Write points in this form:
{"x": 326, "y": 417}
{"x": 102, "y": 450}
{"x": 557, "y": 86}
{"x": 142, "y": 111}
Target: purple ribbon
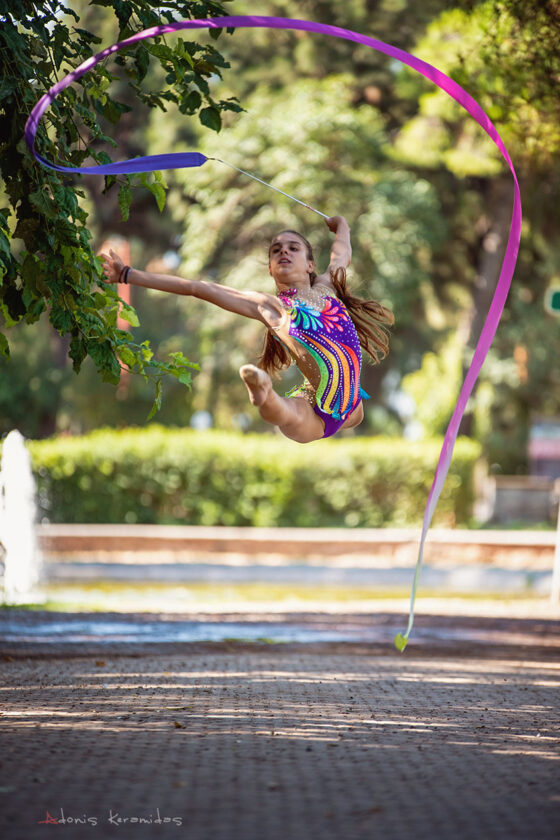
{"x": 180, "y": 160}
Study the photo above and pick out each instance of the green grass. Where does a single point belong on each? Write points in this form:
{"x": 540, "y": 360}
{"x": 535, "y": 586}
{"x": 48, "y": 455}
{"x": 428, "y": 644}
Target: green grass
{"x": 111, "y": 596}
{"x": 514, "y": 525}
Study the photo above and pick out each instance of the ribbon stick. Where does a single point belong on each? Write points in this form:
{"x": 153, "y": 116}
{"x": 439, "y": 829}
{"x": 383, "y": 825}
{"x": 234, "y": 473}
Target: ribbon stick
{"x": 254, "y": 177}
{"x": 179, "y": 160}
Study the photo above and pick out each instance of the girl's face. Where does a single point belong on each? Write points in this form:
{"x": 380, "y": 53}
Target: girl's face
{"x": 288, "y": 259}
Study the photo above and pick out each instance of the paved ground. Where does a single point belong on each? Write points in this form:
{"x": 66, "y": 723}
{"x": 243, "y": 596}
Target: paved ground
{"x": 457, "y": 738}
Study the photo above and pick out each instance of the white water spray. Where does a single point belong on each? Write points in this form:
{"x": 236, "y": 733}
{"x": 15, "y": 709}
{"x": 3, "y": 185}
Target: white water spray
{"x": 21, "y": 560}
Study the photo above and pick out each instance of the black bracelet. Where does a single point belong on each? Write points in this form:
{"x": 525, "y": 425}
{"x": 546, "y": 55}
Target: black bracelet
{"x": 124, "y": 270}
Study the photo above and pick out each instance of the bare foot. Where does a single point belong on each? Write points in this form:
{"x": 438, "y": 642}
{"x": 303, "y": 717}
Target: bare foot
{"x": 258, "y": 383}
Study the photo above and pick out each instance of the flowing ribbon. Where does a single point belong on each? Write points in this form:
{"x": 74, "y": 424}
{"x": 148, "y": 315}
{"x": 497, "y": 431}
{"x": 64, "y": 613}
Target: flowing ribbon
{"x": 185, "y": 159}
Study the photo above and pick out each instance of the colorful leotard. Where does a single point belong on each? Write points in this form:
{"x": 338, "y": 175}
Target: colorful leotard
{"x": 331, "y": 359}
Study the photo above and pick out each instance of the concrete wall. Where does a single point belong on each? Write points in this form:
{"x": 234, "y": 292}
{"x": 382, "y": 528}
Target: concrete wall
{"x": 519, "y": 498}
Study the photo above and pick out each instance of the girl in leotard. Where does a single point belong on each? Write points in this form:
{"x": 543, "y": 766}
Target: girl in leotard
{"x": 312, "y": 321}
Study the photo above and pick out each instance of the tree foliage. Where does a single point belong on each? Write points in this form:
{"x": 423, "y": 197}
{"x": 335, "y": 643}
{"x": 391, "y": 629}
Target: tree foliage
{"x": 47, "y": 263}
{"x": 505, "y": 53}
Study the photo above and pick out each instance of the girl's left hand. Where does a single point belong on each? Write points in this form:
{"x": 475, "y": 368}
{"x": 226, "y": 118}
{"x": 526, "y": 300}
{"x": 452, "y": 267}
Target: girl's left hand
{"x": 112, "y": 266}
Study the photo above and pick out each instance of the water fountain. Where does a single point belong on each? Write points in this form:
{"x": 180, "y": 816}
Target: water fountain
{"x": 18, "y": 544}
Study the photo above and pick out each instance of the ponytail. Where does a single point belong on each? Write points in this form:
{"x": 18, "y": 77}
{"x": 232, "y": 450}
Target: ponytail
{"x": 274, "y": 356}
{"x": 369, "y": 318}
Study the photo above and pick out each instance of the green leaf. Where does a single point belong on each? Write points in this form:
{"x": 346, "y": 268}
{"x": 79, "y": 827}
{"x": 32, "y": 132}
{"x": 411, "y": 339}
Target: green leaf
{"x": 4, "y": 346}
{"x": 128, "y": 314}
{"x": 35, "y": 311}
{"x": 190, "y": 102}
{"x": 44, "y": 204}
{"x": 142, "y": 61}
{"x": 202, "y": 84}
{"x": 179, "y": 359}
{"x": 113, "y": 110}
{"x": 7, "y": 87}
{"x": 61, "y": 319}
{"x": 185, "y": 378}
{"x": 157, "y": 401}
{"x": 158, "y": 192}
{"x": 126, "y": 355}
{"x": 111, "y": 376}
{"x": 125, "y": 199}
{"x": 182, "y": 50}
{"x": 88, "y": 36}
{"x": 102, "y": 354}
{"x": 231, "y": 104}
{"x": 210, "y": 117}
{"x": 146, "y": 351}
{"x": 8, "y": 320}
{"x": 161, "y": 51}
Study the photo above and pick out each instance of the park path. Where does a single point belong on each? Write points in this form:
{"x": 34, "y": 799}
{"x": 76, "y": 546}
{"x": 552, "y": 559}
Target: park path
{"x": 235, "y": 741}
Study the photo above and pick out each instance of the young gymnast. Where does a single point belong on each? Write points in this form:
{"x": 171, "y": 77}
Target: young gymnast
{"x": 312, "y": 321}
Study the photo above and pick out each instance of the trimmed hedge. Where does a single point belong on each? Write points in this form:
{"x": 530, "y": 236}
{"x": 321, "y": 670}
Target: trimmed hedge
{"x": 167, "y": 476}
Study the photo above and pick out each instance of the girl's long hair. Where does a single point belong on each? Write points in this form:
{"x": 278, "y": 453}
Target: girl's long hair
{"x": 370, "y": 319}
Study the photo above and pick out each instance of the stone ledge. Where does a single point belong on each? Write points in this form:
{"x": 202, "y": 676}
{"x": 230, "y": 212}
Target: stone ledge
{"x": 513, "y": 549}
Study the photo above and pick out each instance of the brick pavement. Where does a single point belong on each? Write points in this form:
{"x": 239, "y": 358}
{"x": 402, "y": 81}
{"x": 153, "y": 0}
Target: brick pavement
{"x": 231, "y": 741}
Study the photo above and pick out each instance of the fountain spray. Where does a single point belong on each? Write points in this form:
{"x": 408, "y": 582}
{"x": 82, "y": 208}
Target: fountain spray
{"x": 21, "y": 559}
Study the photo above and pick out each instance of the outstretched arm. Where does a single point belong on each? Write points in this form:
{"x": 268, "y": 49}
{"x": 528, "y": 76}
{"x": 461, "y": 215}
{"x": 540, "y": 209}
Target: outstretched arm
{"x": 341, "y": 250}
{"x": 257, "y": 305}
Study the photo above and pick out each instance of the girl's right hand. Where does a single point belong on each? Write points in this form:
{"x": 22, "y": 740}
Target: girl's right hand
{"x": 334, "y": 222}
{"x": 112, "y": 266}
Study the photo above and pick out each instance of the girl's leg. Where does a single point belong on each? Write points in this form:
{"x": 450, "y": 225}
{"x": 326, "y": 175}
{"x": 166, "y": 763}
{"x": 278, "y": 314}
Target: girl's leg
{"x": 355, "y": 418}
{"x": 294, "y": 416}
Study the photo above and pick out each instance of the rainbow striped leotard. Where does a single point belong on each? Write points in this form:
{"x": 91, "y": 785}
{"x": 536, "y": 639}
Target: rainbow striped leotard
{"x": 328, "y": 335}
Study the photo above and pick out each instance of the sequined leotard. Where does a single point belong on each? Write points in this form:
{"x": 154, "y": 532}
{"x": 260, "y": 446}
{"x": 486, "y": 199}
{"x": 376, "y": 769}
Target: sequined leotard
{"x": 324, "y": 344}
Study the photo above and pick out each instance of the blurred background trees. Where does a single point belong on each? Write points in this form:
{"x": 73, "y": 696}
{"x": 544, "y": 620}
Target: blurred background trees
{"x": 427, "y": 197}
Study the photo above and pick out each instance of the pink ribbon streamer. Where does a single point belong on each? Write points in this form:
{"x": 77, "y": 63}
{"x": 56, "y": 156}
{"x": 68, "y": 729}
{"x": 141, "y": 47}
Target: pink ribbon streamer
{"x": 173, "y": 161}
